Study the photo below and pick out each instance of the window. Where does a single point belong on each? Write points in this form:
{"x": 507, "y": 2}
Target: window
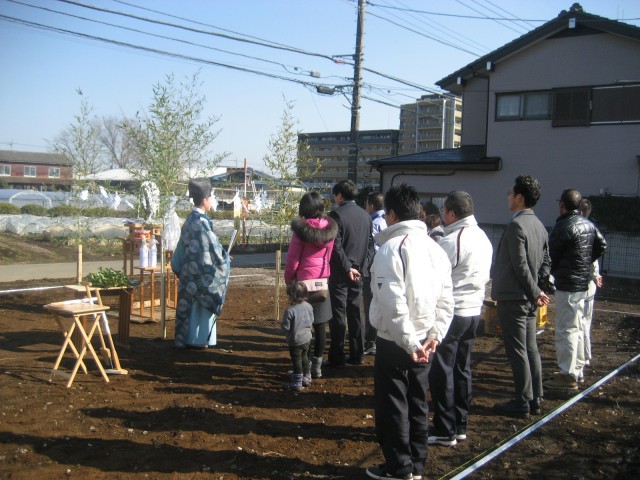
{"x": 523, "y": 106}
{"x": 571, "y": 107}
{"x": 615, "y": 104}
{"x": 54, "y": 172}
{"x": 29, "y": 171}
{"x": 5, "y": 170}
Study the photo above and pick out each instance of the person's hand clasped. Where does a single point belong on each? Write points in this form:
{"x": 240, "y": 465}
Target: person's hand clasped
{"x": 354, "y": 275}
{"x": 543, "y": 299}
{"x": 422, "y": 354}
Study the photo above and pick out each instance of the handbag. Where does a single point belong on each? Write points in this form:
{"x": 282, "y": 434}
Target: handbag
{"x": 318, "y": 289}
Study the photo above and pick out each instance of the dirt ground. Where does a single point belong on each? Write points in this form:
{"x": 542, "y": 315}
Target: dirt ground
{"x": 221, "y": 413}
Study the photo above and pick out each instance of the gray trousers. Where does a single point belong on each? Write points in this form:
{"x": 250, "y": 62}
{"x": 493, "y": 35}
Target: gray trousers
{"x": 518, "y": 322}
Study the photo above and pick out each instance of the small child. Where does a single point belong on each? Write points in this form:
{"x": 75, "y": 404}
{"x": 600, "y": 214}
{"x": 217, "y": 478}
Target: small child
{"x": 297, "y": 321}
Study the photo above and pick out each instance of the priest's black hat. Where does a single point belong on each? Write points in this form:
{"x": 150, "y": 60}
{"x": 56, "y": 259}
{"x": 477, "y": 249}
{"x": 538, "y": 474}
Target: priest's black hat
{"x": 199, "y": 189}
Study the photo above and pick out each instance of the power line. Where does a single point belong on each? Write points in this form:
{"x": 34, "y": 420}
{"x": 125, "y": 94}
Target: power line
{"x": 425, "y": 35}
{"x": 445, "y": 30}
{"x": 473, "y": 17}
{"x": 497, "y": 20}
{"x": 156, "y": 51}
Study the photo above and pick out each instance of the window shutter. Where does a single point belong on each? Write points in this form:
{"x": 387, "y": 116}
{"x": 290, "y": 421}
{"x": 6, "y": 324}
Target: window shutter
{"x": 571, "y": 107}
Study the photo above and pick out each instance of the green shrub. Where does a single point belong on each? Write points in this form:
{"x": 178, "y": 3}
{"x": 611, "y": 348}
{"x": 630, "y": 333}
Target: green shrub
{"x": 9, "y": 209}
{"x": 65, "y": 211}
{"x": 32, "y": 209}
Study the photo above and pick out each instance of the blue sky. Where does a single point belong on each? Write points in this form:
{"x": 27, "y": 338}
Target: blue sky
{"x": 42, "y": 69}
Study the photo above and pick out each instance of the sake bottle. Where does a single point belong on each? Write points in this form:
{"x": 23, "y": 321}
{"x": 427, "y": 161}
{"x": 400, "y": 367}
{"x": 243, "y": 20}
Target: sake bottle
{"x": 153, "y": 253}
{"x": 144, "y": 254}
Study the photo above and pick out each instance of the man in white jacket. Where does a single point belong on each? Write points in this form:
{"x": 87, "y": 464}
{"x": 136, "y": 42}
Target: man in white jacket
{"x": 412, "y": 308}
{"x": 470, "y": 252}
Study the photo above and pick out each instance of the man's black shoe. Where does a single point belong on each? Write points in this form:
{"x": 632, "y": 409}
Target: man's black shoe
{"x": 535, "y": 406}
{"x": 328, "y": 364}
{"x": 513, "y": 409}
{"x": 357, "y": 360}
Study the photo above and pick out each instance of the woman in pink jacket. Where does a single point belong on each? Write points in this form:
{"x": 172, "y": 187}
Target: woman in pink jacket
{"x": 308, "y": 258}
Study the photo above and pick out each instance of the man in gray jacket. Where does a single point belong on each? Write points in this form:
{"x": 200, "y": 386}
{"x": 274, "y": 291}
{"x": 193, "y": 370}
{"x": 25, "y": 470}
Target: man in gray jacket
{"x": 521, "y": 259}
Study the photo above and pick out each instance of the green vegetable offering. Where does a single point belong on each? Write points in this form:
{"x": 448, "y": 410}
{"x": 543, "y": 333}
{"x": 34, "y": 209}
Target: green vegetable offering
{"x": 108, "y": 278}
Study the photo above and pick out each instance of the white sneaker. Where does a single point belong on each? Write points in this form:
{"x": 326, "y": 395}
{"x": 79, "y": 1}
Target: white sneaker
{"x": 444, "y": 441}
{"x": 460, "y": 436}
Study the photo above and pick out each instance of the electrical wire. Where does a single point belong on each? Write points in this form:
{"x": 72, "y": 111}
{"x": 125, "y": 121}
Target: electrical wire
{"x": 157, "y": 51}
{"x": 174, "y": 39}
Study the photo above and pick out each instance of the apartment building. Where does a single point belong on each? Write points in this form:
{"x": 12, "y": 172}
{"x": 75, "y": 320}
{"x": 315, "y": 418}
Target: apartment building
{"x": 34, "y": 170}
{"x": 332, "y": 150}
{"x": 432, "y": 122}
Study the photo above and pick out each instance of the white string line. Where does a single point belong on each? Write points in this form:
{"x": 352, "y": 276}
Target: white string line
{"x": 37, "y": 289}
{"x": 542, "y": 421}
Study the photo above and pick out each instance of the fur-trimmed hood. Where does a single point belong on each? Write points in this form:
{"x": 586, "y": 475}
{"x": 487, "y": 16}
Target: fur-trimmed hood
{"x": 316, "y": 231}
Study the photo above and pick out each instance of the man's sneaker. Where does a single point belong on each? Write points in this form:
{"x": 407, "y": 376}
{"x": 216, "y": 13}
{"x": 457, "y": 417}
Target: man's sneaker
{"x": 460, "y": 436}
{"x": 444, "y": 441}
{"x": 370, "y": 348}
{"x": 535, "y": 406}
{"x": 562, "y": 382}
{"x": 380, "y": 473}
{"x": 512, "y": 408}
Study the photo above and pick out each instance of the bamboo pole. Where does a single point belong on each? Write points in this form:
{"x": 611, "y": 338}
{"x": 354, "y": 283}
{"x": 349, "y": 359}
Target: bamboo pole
{"x": 79, "y": 265}
{"x": 277, "y": 292}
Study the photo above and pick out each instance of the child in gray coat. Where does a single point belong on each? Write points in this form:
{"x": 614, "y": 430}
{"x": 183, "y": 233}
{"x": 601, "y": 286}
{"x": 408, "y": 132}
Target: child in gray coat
{"x": 297, "y": 321}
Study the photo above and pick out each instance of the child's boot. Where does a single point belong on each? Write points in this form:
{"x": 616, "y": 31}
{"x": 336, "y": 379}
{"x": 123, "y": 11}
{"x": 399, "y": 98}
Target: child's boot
{"x": 296, "y": 383}
{"x": 316, "y": 367}
{"x": 306, "y": 379}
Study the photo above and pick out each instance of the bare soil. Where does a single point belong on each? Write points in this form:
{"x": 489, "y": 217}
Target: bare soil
{"x": 221, "y": 413}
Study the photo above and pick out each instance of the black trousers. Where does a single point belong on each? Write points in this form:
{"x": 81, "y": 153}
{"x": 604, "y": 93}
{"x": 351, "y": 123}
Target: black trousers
{"x": 518, "y": 323}
{"x": 370, "y": 331}
{"x": 401, "y": 408}
{"x": 450, "y": 377}
{"x": 345, "y": 307}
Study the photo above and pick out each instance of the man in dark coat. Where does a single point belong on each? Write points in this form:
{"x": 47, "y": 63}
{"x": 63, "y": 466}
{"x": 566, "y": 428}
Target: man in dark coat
{"x": 522, "y": 257}
{"x": 574, "y": 244}
{"x": 352, "y": 250}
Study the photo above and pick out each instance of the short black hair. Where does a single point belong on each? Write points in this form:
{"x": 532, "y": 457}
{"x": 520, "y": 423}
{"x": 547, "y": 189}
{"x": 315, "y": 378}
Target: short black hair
{"x": 529, "y": 188}
{"x": 460, "y": 203}
{"x": 404, "y": 200}
{"x": 297, "y": 292}
{"x": 311, "y": 205}
{"x": 376, "y": 200}
{"x": 571, "y": 198}
{"x": 432, "y": 221}
{"x": 347, "y": 189}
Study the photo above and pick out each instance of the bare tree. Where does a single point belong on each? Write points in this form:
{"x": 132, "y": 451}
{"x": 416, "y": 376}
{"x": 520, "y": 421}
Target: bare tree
{"x": 118, "y": 145}
{"x": 80, "y": 141}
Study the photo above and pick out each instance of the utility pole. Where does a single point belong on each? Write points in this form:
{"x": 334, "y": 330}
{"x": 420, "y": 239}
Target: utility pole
{"x": 352, "y": 171}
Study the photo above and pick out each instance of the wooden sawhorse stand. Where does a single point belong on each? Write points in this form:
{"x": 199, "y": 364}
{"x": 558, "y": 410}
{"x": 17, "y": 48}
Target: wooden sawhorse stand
{"x": 76, "y": 312}
{"x": 80, "y": 311}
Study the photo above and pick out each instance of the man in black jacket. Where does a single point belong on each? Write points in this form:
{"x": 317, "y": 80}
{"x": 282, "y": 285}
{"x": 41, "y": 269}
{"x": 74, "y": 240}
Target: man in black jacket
{"x": 352, "y": 250}
{"x": 574, "y": 244}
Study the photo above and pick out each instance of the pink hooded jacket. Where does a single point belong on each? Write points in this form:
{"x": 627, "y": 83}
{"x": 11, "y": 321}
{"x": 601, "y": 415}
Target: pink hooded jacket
{"x": 310, "y": 248}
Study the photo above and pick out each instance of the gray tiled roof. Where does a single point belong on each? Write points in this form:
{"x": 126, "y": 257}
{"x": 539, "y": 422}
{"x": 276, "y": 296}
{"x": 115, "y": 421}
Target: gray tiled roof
{"x": 11, "y": 156}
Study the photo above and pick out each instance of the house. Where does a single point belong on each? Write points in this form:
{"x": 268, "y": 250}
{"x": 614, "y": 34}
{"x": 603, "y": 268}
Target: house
{"x": 33, "y": 170}
{"x": 561, "y": 103}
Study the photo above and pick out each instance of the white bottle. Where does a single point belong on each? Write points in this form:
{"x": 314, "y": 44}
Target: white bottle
{"x": 153, "y": 253}
{"x": 144, "y": 254}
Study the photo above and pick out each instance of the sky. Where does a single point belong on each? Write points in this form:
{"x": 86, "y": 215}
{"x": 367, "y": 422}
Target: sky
{"x": 251, "y": 56}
